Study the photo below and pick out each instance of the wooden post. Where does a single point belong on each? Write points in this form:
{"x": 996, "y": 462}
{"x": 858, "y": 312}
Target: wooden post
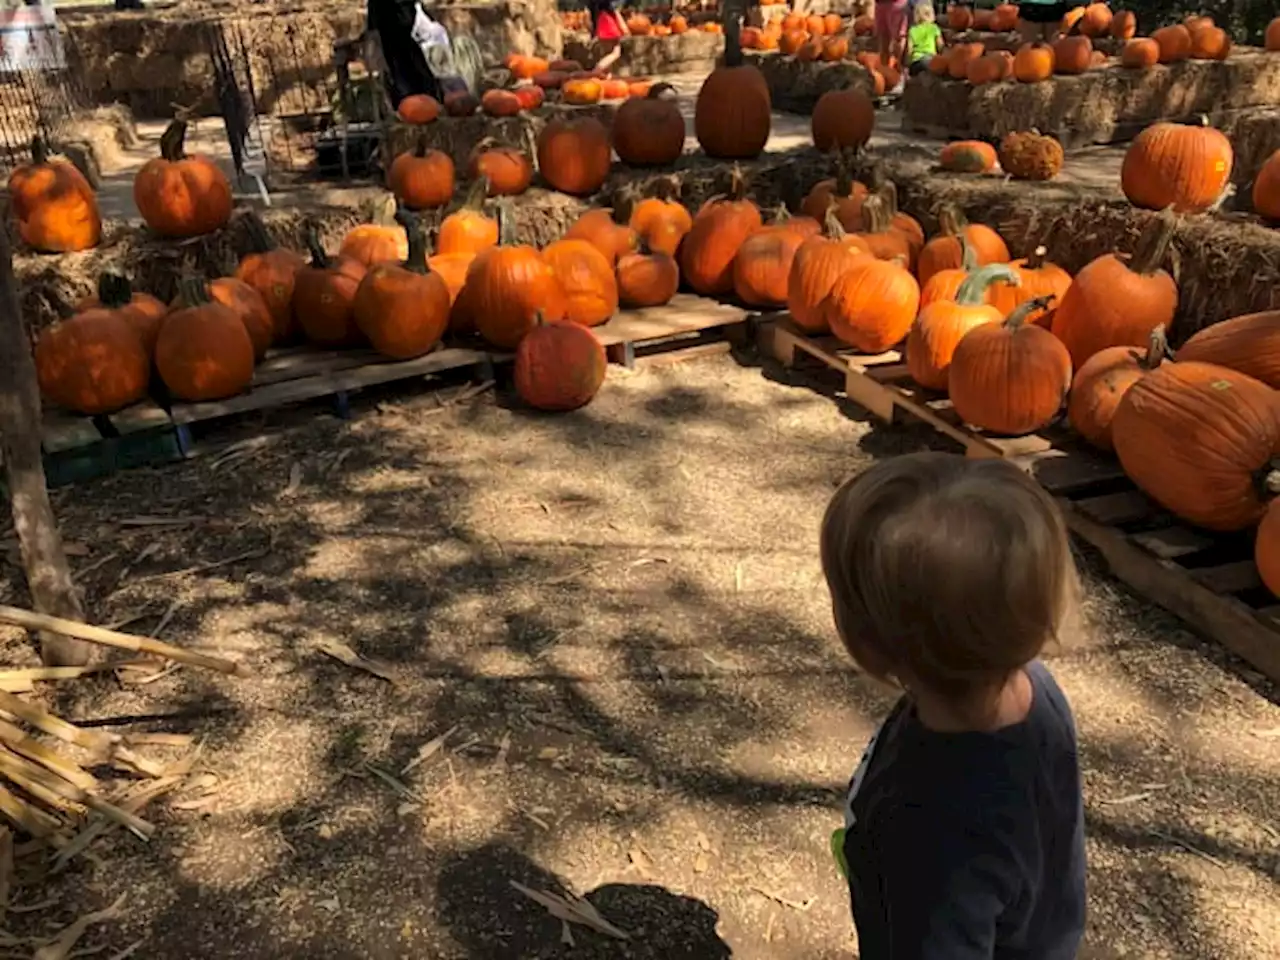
{"x": 45, "y": 562}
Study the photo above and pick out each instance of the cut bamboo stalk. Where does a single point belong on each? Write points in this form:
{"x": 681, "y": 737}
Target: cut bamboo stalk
{"x": 26, "y": 817}
{"x": 133, "y": 803}
{"x": 112, "y": 638}
{"x": 56, "y": 792}
{"x": 134, "y": 763}
{"x": 55, "y": 726}
{"x": 18, "y": 681}
{"x": 32, "y": 749}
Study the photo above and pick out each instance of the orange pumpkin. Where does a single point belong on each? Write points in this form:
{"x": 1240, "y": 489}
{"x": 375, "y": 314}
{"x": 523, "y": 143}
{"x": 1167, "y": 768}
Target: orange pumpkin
{"x": 662, "y": 221}
{"x": 968, "y": 156}
{"x": 946, "y": 284}
{"x": 180, "y": 196}
{"x": 834, "y": 49}
{"x": 983, "y": 20}
{"x": 639, "y": 25}
{"x": 614, "y": 90}
{"x": 831, "y": 24}
{"x": 871, "y": 307}
{"x": 93, "y": 363}
{"x": 500, "y": 103}
{"x": 1037, "y": 278}
{"x": 1140, "y": 53}
{"x": 904, "y": 223}
{"x": 582, "y": 91}
{"x": 379, "y": 241}
{"x": 1072, "y": 55}
{"x": 720, "y": 228}
{"x": 586, "y": 276}
{"x": 1005, "y": 17}
{"x": 959, "y": 17}
{"x": 323, "y": 293}
{"x": 418, "y": 108}
{"x": 1111, "y": 303}
{"x": 959, "y": 57}
{"x": 452, "y": 269}
{"x": 943, "y": 252}
{"x": 1200, "y": 440}
{"x": 602, "y": 230}
{"x": 1124, "y": 25}
{"x": 843, "y": 119}
{"x": 403, "y": 309}
{"x": 939, "y": 65}
{"x": 467, "y": 229}
{"x": 1009, "y": 377}
{"x": 1173, "y": 164}
{"x": 1174, "y": 43}
{"x": 815, "y": 25}
{"x": 1271, "y": 38}
{"x": 989, "y": 68}
{"x": 204, "y": 351}
{"x": 763, "y": 265}
{"x": 559, "y": 366}
{"x": 509, "y": 286}
{"x": 460, "y": 103}
{"x": 56, "y": 208}
{"x": 271, "y": 271}
{"x": 863, "y": 26}
{"x": 647, "y": 278}
{"x": 574, "y": 155}
{"x": 1210, "y": 43}
{"x": 1265, "y": 553}
{"x": 942, "y": 324}
{"x": 421, "y": 178}
{"x": 529, "y": 97}
{"x": 818, "y": 263}
{"x": 649, "y": 130}
{"x": 1102, "y": 382}
{"x": 508, "y": 170}
{"x": 791, "y": 41}
{"x": 526, "y": 68}
{"x": 1248, "y": 345}
{"x": 883, "y": 239}
{"x": 678, "y": 24}
{"x": 141, "y": 311}
{"x": 247, "y": 304}
{"x": 1096, "y": 21}
{"x": 847, "y": 193}
{"x": 733, "y": 113}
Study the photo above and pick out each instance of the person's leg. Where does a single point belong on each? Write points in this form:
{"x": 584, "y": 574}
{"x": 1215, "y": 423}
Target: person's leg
{"x": 883, "y": 25}
{"x": 612, "y": 51}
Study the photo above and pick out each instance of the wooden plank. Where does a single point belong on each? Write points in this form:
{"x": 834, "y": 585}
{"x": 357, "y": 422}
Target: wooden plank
{"x": 1170, "y": 543}
{"x": 1070, "y": 471}
{"x": 294, "y": 363}
{"x": 307, "y": 388}
{"x": 697, "y": 351}
{"x": 1229, "y": 578}
{"x": 1223, "y": 619}
{"x": 1114, "y": 509}
{"x": 140, "y": 417}
{"x": 60, "y": 430}
{"x": 684, "y": 314}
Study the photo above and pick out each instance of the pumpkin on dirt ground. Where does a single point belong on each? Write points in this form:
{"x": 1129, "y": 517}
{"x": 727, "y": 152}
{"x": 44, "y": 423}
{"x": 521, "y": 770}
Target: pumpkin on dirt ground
{"x": 1114, "y": 303}
{"x": 92, "y": 363}
{"x": 942, "y": 324}
{"x": 467, "y": 229}
{"x": 733, "y": 113}
{"x": 403, "y": 309}
{"x": 421, "y": 178}
{"x": 55, "y": 206}
{"x": 509, "y": 286}
{"x": 649, "y": 131}
{"x": 661, "y": 220}
{"x": 968, "y": 156}
{"x": 204, "y": 351}
{"x": 1201, "y": 441}
{"x": 1248, "y": 344}
{"x": 559, "y": 366}
{"x": 1010, "y": 377}
{"x": 323, "y": 293}
{"x": 872, "y": 306}
{"x": 272, "y": 271}
{"x": 143, "y": 312}
{"x": 1101, "y": 383}
{"x": 606, "y": 229}
{"x": 586, "y": 276}
{"x": 1037, "y": 277}
{"x": 1177, "y": 165}
{"x": 647, "y": 278}
{"x": 843, "y": 120}
{"x": 719, "y": 229}
{"x": 247, "y": 304}
{"x": 181, "y": 196}
{"x": 943, "y": 252}
{"x": 574, "y": 154}
{"x": 508, "y": 170}
{"x": 380, "y": 240}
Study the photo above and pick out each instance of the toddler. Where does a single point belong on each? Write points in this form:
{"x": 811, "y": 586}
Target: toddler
{"x": 924, "y": 39}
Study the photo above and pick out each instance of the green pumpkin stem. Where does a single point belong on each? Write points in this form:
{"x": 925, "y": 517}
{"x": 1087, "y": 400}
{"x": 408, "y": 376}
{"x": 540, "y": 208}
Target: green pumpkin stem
{"x": 732, "y": 35}
{"x": 319, "y": 259}
{"x": 968, "y": 255}
{"x": 475, "y": 197}
{"x": 260, "y": 239}
{"x": 114, "y": 290}
{"x": 973, "y": 292}
{"x": 173, "y": 142}
{"x": 39, "y": 150}
{"x": 832, "y": 228}
{"x": 1018, "y": 316}
{"x": 1153, "y": 245}
{"x": 416, "y": 261}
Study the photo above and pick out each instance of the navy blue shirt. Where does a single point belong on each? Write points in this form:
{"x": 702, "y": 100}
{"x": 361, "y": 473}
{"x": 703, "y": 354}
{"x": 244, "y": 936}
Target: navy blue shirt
{"x": 963, "y": 846}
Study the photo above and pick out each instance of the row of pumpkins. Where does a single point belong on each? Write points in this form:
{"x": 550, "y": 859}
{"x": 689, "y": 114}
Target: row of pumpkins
{"x": 654, "y": 23}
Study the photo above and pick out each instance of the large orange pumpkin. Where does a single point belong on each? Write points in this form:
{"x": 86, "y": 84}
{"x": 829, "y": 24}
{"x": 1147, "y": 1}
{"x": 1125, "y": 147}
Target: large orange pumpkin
{"x": 95, "y": 362}
{"x": 719, "y": 229}
{"x": 649, "y": 130}
{"x": 1102, "y": 382}
{"x": 272, "y": 271}
{"x": 204, "y": 351}
{"x": 843, "y": 119}
{"x": 381, "y": 240}
{"x": 141, "y": 311}
{"x": 1248, "y": 344}
{"x": 733, "y": 113}
{"x": 1200, "y": 440}
{"x": 871, "y": 307}
{"x": 662, "y": 221}
{"x": 508, "y": 170}
{"x": 1140, "y": 53}
{"x": 601, "y": 228}
{"x": 56, "y": 208}
{"x": 559, "y": 366}
{"x": 403, "y": 309}
{"x": 1037, "y": 277}
{"x": 421, "y": 178}
{"x": 647, "y": 278}
{"x": 247, "y": 304}
{"x": 1179, "y": 165}
{"x": 942, "y": 324}
{"x": 1174, "y": 43}
{"x": 587, "y": 279}
{"x": 324, "y": 292}
{"x": 574, "y": 154}
{"x": 180, "y": 196}
{"x": 763, "y": 265}
{"x": 1111, "y": 303}
{"x": 959, "y": 17}
{"x": 903, "y": 223}
{"x": 818, "y": 263}
{"x": 943, "y": 252}
{"x": 1009, "y": 377}
{"x": 467, "y": 229}
{"x": 509, "y": 287}
{"x": 1072, "y": 55}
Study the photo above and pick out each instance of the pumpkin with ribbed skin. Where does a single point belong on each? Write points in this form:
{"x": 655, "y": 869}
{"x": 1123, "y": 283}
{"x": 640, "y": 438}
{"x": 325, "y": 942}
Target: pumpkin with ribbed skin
{"x": 323, "y": 294}
{"x": 1200, "y": 440}
{"x": 1124, "y": 25}
{"x": 1037, "y": 277}
{"x": 559, "y": 366}
{"x": 943, "y": 252}
{"x": 871, "y": 307}
{"x": 574, "y": 154}
{"x": 403, "y": 309}
{"x": 946, "y": 284}
{"x": 509, "y": 286}
{"x": 418, "y": 108}
{"x": 843, "y": 119}
{"x": 883, "y": 239}
{"x": 93, "y": 363}
{"x": 661, "y": 220}
{"x": 1248, "y": 345}
{"x": 1101, "y": 383}
{"x": 1266, "y": 547}
{"x": 763, "y": 265}
{"x": 586, "y": 276}
{"x": 508, "y": 170}
{"x": 600, "y": 228}
{"x": 452, "y": 269}
{"x": 904, "y": 223}
{"x": 141, "y": 311}
{"x": 381, "y": 240}
{"x": 1178, "y": 165}
{"x": 247, "y": 304}
{"x": 180, "y": 196}
{"x": 647, "y": 278}
{"x": 988, "y": 68}
{"x": 467, "y": 229}
{"x": 942, "y": 324}
{"x": 649, "y": 131}
{"x": 1111, "y": 303}
{"x": 968, "y": 156}
{"x": 272, "y": 272}
{"x": 818, "y": 263}
{"x": 719, "y": 229}
{"x": 1033, "y": 62}
{"x": 421, "y": 178}
{"x": 1009, "y": 377}
{"x": 1028, "y": 155}
{"x": 204, "y": 351}
{"x": 1140, "y": 53}
{"x": 56, "y": 208}
{"x": 1266, "y": 189}
{"x": 1174, "y": 43}
{"x": 960, "y": 56}
{"x": 733, "y": 113}
{"x": 847, "y": 194}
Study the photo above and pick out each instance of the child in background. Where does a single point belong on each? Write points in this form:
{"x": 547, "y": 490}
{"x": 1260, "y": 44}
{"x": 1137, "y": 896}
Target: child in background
{"x": 964, "y": 826}
{"x": 607, "y": 29}
{"x": 924, "y": 39}
{"x": 891, "y": 32}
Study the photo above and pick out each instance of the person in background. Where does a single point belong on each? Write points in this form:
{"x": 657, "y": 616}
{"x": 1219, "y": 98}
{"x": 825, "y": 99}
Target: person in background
{"x": 396, "y": 27}
{"x": 1040, "y": 21}
{"x": 607, "y": 29}
{"x": 964, "y": 821}
{"x": 891, "y": 32}
{"x": 924, "y": 39}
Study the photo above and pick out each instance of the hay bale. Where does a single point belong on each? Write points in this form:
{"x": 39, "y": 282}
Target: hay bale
{"x": 1105, "y": 105}
{"x": 795, "y": 85}
{"x": 1255, "y": 136}
{"x": 692, "y": 52}
{"x": 1012, "y": 40}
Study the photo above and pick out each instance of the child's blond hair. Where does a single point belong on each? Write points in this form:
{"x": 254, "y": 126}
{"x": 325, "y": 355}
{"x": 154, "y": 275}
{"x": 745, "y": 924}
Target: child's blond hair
{"x": 924, "y": 12}
{"x": 946, "y": 572}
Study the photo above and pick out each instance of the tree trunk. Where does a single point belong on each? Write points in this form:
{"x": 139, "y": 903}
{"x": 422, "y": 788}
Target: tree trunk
{"x": 48, "y": 575}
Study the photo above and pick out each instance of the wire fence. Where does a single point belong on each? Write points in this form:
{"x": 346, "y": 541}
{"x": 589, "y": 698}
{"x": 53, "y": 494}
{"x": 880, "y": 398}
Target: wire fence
{"x": 40, "y": 90}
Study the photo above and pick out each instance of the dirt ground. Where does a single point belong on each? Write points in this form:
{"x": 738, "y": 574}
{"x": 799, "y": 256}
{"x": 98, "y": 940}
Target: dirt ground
{"x": 617, "y": 618}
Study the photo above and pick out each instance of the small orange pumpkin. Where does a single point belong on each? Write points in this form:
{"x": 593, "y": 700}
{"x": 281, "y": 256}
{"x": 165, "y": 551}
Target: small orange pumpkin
{"x": 647, "y": 278}
{"x": 1072, "y": 55}
{"x": 1037, "y": 277}
{"x": 942, "y": 324}
{"x": 508, "y": 170}
{"x": 56, "y": 208}
{"x": 943, "y": 252}
{"x": 559, "y": 366}
{"x": 1140, "y": 53}
{"x": 586, "y": 276}
{"x": 968, "y": 156}
{"x": 661, "y": 220}
{"x": 1174, "y": 43}
{"x": 272, "y": 271}
{"x": 421, "y": 178}
{"x": 466, "y": 230}
{"x": 601, "y": 229}
{"x": 574, "y": 154}
{"x": 418, "y": 108}
{"x": 247, "y": 304}
{"x": 380, "y": 240}
{"x": 1124, "y": 25}
{"x": 719, "y": 229}
{"x": 403, "y": 309}
{"x": 180, "y": 196}
{"x": 1102, "y": 382}
{"x": 323, "y": 293}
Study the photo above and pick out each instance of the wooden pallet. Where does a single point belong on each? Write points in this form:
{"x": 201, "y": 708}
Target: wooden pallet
{"x": 686, "y": 328}
{"x": 78, "y": 448}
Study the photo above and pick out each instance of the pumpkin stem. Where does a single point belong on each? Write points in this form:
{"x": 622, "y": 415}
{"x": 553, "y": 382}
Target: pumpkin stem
{"x": 781, "y": 216}
{"x": 420, "y": 147}
{"x": 968, "y": 255}
{"x": 624, "y": 202}
{"x": 1018, "y": 316}
{"x": 416, "y": 261}
{"x": 658, "y": 89}
{"x": 506, "y": 224}
{"x": 888, "y": 192}
{"x": 844, "y": 178}
{"x": 875, "y": 215}
{"x": 1037, "y": 258}
{"x": 1268, "y": 479}
{"x": 1157, "y": 349}
{"x": 666, "y": 188}
{"x": 973, "y": 292}
{"x": 1153, "y": 245}
{"x": 39, "y": 150}
{"x": 173, "y": 146}
{"x": 951, "y": 220}
{"x": 381, "y": 211}
{"x": 832, "y": 228}
{"x": 737, "y": 184}
{"x": 475, "y": 196}
{"x": 192, "y": 291}
{"x": 114, "y": 290}
{"x": 732, "y": 35}
{"x": 260, "y": 241}
{"x": 319, "y": 259}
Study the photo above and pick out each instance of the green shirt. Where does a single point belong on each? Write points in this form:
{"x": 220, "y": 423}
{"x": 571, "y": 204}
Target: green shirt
{"x": 924, "y": 38}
